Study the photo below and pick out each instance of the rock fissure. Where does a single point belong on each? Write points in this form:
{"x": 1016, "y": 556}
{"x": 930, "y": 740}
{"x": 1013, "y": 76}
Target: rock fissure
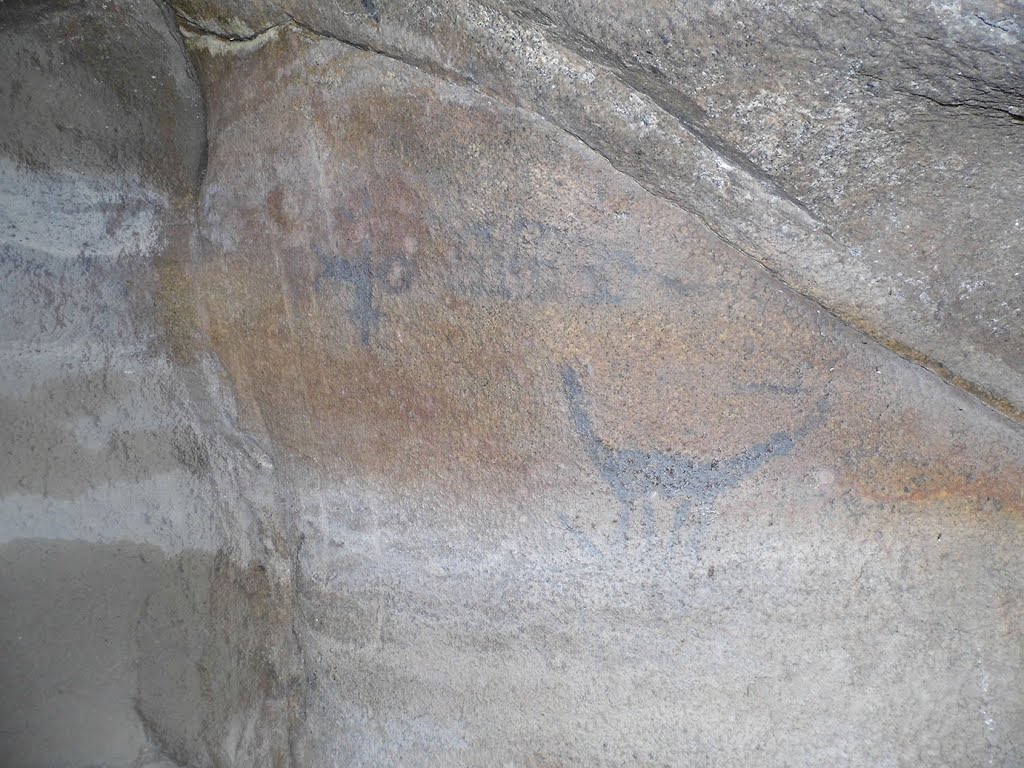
{"x": 800, "y": 216}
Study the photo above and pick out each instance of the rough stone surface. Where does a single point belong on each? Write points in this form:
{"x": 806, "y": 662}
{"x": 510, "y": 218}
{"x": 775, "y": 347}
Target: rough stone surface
{"x": 869, "y": 154}
{"x": 403, "y": 384}
{"x": 580, "y": 483}
{"x": 142, "y": 592}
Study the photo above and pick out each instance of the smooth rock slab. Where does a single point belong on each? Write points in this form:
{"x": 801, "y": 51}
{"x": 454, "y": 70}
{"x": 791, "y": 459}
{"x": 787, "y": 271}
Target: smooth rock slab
{"x": 141, "y": 608}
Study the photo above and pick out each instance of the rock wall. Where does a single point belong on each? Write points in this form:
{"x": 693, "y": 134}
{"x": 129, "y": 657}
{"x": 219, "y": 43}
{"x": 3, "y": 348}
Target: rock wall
{"x": 476, "y": 383}
{"x": 145, "y": 587}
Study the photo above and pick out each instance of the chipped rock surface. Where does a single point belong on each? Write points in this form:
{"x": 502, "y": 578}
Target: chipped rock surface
{"x": 512, "y": 383}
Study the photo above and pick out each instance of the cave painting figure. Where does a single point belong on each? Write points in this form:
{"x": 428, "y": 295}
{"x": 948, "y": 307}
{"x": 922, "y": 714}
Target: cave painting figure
{"x": 637, "y": 477}
{"x": 368, "y": 269}
{"x": 367, "y": 278}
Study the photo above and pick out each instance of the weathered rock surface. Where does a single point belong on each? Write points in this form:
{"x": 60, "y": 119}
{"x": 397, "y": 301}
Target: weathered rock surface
{"x": 580, "y": 482}
{"x": 868, "y": 154}
{"x": 424, "y": 385}
{"x": 143, "y": 572}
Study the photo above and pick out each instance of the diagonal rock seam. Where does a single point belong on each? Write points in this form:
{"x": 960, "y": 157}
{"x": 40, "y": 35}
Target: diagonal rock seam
{"x": 783, "y": 214}
{"x": 341, "y": 598}
{"x": 785, "y": 224}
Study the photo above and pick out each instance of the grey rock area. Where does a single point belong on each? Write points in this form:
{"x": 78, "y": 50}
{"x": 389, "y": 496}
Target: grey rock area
{"x": 511, "y": 383}
{"x": 131, "y": 508}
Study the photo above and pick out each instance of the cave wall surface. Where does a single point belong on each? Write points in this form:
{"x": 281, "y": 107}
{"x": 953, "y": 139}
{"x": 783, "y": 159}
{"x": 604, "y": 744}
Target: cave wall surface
{"x": 141, "y": 591}
{"x": 868, "y": 153}
{"x": 526, "y": 383}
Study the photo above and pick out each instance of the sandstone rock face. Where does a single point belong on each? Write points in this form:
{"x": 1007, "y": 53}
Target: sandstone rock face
{"x": 868, "y": 155}
{"x": 421, "y": 380}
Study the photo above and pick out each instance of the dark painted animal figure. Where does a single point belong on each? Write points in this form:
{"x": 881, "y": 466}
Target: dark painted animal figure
{"x": 637, "y": 477}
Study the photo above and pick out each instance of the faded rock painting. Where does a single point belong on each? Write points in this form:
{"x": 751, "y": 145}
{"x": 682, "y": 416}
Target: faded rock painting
{"x": 419, "y": 410}
{"x": 542, "y": 422}
{"x": 365, "y": 272}
{"x": 640, "y": 478}
{"x": 425, "y": 321}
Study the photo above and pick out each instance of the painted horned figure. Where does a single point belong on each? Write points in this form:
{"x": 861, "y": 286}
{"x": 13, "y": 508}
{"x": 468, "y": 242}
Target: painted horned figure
{"x": 637, "y": 476}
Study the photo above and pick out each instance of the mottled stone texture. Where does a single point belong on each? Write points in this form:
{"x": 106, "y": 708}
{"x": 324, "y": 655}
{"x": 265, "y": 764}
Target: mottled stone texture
{"x": 582, "y": 483}
{"x": 868, "y": 153}
{"x": 423, "y": 384}
{"x": 145, "y": 598}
